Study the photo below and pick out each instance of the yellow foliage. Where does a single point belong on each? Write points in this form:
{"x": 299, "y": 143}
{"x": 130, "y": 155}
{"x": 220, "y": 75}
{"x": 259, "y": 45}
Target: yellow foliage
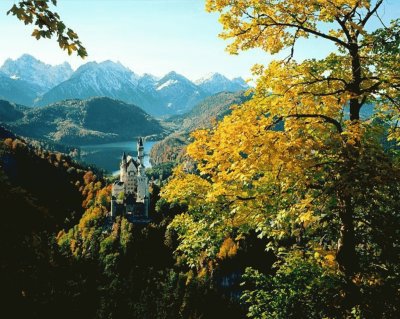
{"x": 292, "y": 154}
{"x": 228, "y": 249}
{"x": 8, "y": 142}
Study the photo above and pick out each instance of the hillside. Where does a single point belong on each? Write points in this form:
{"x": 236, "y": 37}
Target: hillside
{"x": 41, "y": 192}
{"x": 202, "y": 115}
{"x": 23, "y": 165}
{"x": 80, "y": 122}
{"x": 10, "y": 112}
{"x": 17, "y": 91}
{"x": 212, "y": 108}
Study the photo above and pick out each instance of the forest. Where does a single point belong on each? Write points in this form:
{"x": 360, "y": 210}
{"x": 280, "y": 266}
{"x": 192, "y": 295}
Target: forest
{"x": 286, "y": 207}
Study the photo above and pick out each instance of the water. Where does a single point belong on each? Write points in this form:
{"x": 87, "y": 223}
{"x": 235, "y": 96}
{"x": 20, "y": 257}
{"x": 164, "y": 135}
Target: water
{"x": 108, "y": 156}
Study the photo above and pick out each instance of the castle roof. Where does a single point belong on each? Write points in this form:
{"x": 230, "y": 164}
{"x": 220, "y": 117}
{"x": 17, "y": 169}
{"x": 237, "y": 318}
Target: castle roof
{"x": 133, "y": 160}
{"x": 129, "y": 160}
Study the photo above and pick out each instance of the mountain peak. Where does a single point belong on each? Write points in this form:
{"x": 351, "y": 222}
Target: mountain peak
{"x": 172, "y": 75}
{"x": 215, "y": 82}
{"x": 27, "y": 57}
{"x": 173, "y": 78}
{"x": 214, "y": 76}
{"x": 102, "y": 66}
{"x": 36, "y": 72}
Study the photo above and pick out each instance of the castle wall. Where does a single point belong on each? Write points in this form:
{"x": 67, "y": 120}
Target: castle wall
{"x": 117, "y": 189}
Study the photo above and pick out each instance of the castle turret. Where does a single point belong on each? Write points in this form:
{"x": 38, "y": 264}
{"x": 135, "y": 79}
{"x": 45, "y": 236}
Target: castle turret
{"x": 123, "y": 166}
{"x": 140, "y": 150}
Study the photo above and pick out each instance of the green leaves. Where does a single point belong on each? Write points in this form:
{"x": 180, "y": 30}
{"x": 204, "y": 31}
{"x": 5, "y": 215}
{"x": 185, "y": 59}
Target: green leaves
{"x": 300, "y": 289}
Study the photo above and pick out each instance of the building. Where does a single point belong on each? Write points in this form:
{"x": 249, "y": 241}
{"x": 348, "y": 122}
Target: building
{"x": 130, "y": 194}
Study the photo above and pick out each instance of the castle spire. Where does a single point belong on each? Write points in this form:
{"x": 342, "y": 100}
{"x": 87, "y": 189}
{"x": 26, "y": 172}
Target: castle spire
{"x": 123, "y": 166}
{"x": 140, "y": 150}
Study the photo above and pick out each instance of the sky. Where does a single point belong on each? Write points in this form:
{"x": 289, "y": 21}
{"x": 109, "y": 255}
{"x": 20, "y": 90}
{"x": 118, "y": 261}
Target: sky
{"x": 148, "y": 36}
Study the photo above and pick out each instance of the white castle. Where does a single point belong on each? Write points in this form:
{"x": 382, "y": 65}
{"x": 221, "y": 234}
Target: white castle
{"x": 130, "y": 195}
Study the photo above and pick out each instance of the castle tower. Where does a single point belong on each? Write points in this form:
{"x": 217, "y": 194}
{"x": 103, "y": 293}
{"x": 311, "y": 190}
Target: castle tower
{"x": 140, "y": 150}
{"x": 141, "y": 185}
{"x": 123, "y": 167}
{"x": 141, "y": 168}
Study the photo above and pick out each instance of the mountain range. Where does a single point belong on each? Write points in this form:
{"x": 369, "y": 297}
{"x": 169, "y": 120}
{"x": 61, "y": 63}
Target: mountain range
{"x": 31, "y": 82}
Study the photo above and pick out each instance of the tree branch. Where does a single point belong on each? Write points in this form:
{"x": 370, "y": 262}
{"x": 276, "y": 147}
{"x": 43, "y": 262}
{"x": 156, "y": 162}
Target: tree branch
{"x": 300, "y": 26}
{"x": 369, "y": 15}
{"x": 326, "y": 118}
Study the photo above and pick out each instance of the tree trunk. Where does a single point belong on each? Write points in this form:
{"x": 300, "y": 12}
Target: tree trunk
{"x": 355, "y": 85}
{"x": 346, "y": 255}
{"x": 354, "y": 109}
{"x": 346, "y": 252}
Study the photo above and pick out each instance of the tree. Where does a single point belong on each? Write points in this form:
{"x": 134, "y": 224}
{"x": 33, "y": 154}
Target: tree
{"x": 323, "y": 183}
{"x": 47, "y": 24}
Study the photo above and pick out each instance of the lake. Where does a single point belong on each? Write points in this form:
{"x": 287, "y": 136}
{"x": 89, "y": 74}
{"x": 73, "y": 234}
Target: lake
{"x": 108, "y": 156}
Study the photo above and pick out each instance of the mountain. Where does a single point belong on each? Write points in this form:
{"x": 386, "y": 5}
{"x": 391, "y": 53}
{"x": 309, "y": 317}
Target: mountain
{"x": 10, "y": 112}
{"x": 213, "y": 108}
{"x": 17, "y": 91}
{"x": 80, "y": 122}
{"x": 31, "y": 82}
{"x": 216, "y": 82}
{"x": 172, "y": 94}
{"x": 33, "y": 71}
{"x": 147, "y": 82}
{"x": 178, "y": 94}
{"x": 94, "y": 79}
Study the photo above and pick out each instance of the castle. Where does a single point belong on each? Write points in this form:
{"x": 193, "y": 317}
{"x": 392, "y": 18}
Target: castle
{"x": 130, "y": 195}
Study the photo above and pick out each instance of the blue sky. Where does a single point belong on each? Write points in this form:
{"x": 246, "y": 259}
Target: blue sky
{"x": 153, "y": 36}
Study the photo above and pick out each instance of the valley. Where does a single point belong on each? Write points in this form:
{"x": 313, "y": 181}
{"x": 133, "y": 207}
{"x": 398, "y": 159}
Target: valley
{"x": 143, "y": 189}
{"x": 101, "y": 108}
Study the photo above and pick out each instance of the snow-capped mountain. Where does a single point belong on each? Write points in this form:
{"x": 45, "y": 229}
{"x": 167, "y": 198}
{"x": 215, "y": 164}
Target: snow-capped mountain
{"x": 106, "y": 74}
{"x": 31, "y": 70}
{"x": 29, "y": 81}
{"x": 107, "y": 79}
{"x": 216, "y": 82}
{"x": 177, "y": 93}
{"x": 147, "y": 82}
